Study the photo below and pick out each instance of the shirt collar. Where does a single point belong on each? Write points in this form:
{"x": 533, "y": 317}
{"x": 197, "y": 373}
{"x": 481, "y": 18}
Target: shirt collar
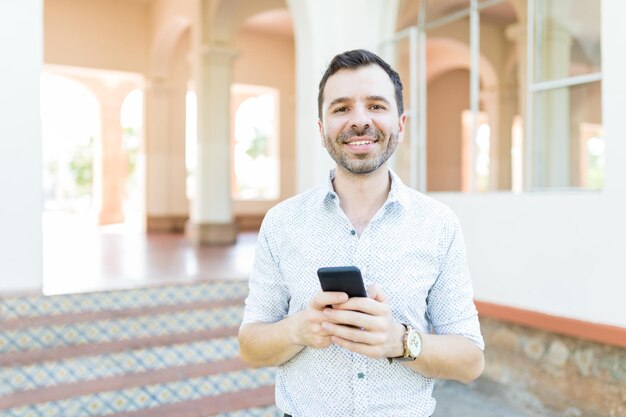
{"x": 397, "y": 193}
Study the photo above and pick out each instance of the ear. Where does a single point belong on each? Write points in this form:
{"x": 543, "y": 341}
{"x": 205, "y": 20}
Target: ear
{"x": 401, "y": 123}
{"x": 320, "y": 128}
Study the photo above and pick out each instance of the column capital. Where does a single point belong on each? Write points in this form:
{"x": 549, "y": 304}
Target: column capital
{"x": 218, "y": 52}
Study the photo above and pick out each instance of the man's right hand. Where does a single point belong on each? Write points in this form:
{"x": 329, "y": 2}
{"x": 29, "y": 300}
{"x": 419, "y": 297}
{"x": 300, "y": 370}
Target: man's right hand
{"x": 307, "y": 327}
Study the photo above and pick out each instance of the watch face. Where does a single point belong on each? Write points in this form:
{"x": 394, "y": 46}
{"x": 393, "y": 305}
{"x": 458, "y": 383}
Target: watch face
{"x": 414, "y": 344}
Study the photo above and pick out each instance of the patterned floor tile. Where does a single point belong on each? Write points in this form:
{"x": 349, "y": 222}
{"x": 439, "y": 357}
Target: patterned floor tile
{"x": 146, "y": 397}
{"x": 14, "y": 307}
{"x": 47, "y": 337}
{"x": 89, "y": 368}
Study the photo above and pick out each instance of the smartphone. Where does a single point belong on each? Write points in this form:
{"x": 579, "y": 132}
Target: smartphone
{"x": 342, "y": 279}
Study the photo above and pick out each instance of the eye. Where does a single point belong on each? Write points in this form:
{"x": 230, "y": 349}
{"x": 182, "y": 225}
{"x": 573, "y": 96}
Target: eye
{"x": 377, "y": 107}
{"x": 340, "y": 109}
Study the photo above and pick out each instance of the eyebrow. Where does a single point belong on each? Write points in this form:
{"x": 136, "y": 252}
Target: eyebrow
{"x": 340, "y": 100}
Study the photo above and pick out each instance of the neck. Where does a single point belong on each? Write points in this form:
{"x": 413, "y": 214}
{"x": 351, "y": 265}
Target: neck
{"x": 362, "y": 195}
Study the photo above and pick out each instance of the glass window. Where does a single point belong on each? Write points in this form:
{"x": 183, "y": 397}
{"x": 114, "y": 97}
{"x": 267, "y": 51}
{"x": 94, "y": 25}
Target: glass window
{"x": 568, "y": 140}
{"x": 438, "y": 9}
{"x": 498, "y": 101}
{"x": 566, "y": 38}
{"x": 479, "y": 92}
{"x": 567, "y": 148}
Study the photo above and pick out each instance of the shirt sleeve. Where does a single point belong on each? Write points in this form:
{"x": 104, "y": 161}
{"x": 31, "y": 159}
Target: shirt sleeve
{"x": 451, "y": 308}
{"x": 268, "y": 296}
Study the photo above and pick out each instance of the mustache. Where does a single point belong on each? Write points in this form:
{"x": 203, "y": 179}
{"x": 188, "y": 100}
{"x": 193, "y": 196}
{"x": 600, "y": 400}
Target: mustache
{"x": 365, "y": 131}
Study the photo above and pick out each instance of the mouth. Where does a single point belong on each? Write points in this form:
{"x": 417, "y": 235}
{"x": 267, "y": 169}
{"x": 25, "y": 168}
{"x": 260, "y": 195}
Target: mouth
{"x": 360, "y": 142}
{"x": 360, "y": 145}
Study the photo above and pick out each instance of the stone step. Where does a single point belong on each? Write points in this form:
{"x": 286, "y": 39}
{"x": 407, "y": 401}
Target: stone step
{"x": 40, "y": 338}
{"x": 28, "y": 306}
{"x": 130, "y": 353}
{"x": 79, "y": 370}
{"x": 186, "y": 396}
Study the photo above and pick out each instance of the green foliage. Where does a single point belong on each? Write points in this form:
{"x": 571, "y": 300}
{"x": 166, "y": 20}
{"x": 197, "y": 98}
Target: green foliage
{"x": 259, "y": 145}
{"x": 81, "y": 167}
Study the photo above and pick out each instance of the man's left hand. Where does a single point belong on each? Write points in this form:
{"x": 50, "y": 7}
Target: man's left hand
{"x": 366, "y": 326}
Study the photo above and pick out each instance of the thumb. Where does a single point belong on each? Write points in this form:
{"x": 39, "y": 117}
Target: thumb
{"x": 376, "y": 293}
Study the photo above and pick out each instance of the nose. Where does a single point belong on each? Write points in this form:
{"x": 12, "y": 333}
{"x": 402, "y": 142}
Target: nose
{"x": 360, "y": 118}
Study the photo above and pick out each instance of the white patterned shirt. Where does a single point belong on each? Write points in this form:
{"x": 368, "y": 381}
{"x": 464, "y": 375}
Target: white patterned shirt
{"x": 413, "y": 248}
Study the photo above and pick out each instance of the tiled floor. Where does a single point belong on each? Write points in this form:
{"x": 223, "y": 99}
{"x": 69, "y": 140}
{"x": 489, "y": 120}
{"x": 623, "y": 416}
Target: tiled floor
{"x": 81, "y": 258}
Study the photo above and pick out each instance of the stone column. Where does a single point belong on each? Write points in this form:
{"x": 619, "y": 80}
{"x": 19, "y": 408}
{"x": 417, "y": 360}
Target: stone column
{"x": 211, "y": 207}
{"x": 166, "y": 200}
{"x": 110, "y": 159}
{"x": 112, "y": 164}
{"x": 157, "y": 169}
{"x": 21, "y": 43}
{"x": 323, "y": 28}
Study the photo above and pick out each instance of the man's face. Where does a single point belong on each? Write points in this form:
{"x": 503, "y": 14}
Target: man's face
{"x": 360, "y": 127}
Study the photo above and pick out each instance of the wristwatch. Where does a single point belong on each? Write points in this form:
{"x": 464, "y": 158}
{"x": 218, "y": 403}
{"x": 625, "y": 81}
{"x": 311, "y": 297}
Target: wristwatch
{"x": 412, "y": 344}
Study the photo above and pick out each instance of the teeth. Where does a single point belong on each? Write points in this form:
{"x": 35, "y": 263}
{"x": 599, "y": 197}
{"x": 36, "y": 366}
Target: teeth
{"x": 361, "y": 142}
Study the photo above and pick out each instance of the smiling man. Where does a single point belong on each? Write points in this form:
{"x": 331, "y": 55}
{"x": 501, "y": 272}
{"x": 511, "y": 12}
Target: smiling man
{"x": 374, "y": 356}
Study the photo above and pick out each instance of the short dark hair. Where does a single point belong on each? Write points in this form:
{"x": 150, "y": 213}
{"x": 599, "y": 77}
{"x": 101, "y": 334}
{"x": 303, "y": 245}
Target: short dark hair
{"x": 355, "y": 59}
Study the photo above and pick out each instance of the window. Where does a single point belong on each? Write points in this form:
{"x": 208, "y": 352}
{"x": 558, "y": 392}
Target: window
{"x": 504, "y": 106}
{"x": 567, "y": 147}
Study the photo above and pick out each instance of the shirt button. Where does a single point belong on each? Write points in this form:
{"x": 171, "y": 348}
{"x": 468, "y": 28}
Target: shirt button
{"x": 361, "y": 375}
{"x": 353, "y": 232}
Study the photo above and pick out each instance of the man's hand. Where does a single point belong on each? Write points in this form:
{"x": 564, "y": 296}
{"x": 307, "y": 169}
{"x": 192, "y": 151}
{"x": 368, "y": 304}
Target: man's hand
{"x": 306, "y": 329}
{"x": 365, "y": 326}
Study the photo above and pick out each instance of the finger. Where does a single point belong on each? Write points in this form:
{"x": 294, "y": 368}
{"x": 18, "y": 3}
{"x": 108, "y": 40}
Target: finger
{"x": 348, "y": 333}
{"x": 364, "y": 305}
{"x": 376, "y": 293}
{"x": 363, "y": 349}
{"x": 352, "y": 318}
{"x": 326, "y": 298}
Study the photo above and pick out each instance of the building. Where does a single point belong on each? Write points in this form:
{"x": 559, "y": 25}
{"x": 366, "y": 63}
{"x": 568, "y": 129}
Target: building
{"x": 526, "y": 150}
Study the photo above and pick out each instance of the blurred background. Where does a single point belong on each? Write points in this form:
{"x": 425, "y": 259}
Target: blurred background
{"x": 143, "y": 141}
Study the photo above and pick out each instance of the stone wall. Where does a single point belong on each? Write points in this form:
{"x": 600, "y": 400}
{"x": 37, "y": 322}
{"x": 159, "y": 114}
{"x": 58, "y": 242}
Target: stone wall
{"x": 570, "y": 377}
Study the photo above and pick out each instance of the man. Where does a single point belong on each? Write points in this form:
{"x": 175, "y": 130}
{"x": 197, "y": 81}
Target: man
{"x": 409, "y": 248}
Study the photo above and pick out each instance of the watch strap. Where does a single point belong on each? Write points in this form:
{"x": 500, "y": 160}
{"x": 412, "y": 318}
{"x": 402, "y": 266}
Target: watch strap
{"x": 406, "y": 356}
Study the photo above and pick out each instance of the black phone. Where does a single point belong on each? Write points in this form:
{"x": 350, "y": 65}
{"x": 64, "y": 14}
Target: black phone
{"x": 342, "y": 279}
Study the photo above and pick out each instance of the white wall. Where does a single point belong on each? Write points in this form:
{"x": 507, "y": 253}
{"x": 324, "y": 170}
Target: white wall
{"x": 21, "y": 43}
{"x": 560, "y": 253}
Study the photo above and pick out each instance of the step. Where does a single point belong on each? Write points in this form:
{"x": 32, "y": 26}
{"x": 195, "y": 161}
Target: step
{"x": 82, "y": 369}
{"x": 118, "y": 329}
{"x": 28, "y": 306}
{"x": 186, "y": 393}
{"x": 161, "y": 352}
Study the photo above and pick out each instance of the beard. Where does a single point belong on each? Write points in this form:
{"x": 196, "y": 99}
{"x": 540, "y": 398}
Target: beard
{"x": 366, "y": 163}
